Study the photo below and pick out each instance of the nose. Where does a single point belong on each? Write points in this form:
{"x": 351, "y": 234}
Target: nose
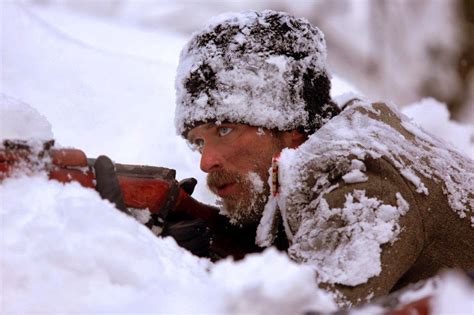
{"x": 211, "y": 159}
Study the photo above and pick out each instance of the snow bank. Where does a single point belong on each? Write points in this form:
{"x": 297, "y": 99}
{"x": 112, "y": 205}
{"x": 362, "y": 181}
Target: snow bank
{"x": 454, "y": 295}
{"x": 433, "y": 116}
{"x": 451, "y": 292}
{"x": 21, "y": 121}
{"x": 281, "y": 287}
{"x": 102, "y": 100}
{"x": 66, "y": 250}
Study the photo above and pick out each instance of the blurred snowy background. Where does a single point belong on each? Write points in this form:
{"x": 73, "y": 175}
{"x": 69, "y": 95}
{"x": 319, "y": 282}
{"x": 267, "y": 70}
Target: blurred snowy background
{"x": 102, "y": 74}
{"x": 390, "y": 49}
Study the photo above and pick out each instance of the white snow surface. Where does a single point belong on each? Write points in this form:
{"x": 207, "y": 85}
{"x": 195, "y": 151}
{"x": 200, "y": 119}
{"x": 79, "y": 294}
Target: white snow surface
{"x": 20, "y": 121}
{"x": 450, "y": 292}
{"x": 455, "y": 295}
{"x": 433, "y": 117}
{"x": 66, "y": 250}
{"x": 108, "y": 89}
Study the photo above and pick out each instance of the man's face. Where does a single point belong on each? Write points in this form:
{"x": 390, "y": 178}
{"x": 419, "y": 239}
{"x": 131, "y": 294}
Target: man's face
{"x": 237, "y": 158}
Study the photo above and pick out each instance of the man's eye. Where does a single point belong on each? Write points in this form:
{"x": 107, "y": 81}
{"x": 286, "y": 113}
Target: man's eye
{"x": 224, "y": 131}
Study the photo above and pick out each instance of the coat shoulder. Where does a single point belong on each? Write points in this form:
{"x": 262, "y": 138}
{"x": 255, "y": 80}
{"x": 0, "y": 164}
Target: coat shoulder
{"x": 363, "y": 197}
{"x": 361, "y": 236}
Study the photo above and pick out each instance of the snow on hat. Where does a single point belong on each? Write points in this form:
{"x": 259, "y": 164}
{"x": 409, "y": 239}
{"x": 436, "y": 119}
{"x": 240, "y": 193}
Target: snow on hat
{"x": 265, "y": 69}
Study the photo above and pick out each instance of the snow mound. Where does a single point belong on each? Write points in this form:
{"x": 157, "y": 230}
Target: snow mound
{"x": 450, "y": 292}
{"x": 251, "y": 289}
{"x": 21, "y": 121}
{"x": 454, "y": 294}
{"x": 65, "y": 250}
{"x": 433, "y": 116}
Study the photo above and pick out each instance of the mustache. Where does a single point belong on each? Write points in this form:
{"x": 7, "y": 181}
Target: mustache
{"x": 221, "y": 178}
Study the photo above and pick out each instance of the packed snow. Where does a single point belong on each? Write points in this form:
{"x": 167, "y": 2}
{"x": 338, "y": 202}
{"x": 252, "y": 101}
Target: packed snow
{"x": 356, "y": 173}
{"x": 369, "y": 223}
{"x": 63, "y": 249}
{"x": 438, "y": 123}
{"x": 66, "y": 250}
{"x": 449, "y": 293}
{"x": 33, "y": 125}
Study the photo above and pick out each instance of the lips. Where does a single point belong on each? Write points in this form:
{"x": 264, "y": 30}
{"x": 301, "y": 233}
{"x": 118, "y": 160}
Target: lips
{"x": 225, "y": 190}
{"x": 223, "y": 183}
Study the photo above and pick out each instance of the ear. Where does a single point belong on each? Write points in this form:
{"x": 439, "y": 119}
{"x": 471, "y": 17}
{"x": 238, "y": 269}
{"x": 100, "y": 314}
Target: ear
{"x": 293, "y": 138}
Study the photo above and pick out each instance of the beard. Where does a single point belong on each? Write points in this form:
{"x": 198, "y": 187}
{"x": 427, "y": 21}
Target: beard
{"x": 245, "y": 207}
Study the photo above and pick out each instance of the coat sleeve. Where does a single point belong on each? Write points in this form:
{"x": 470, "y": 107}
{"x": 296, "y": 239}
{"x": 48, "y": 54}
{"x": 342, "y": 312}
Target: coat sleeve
{"x": 361, "y": 236}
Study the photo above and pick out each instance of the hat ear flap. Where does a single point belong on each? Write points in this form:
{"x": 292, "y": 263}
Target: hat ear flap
{"x": 317, "y": 97}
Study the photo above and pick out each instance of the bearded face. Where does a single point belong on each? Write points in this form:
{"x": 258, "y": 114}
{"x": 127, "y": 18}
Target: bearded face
{"x": 246, "y": 207}
{"x": 237, "y": 158}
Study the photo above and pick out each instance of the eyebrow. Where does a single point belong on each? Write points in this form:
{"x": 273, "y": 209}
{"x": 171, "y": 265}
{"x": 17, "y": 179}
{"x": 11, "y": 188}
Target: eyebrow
{"x": 207, "y": 126}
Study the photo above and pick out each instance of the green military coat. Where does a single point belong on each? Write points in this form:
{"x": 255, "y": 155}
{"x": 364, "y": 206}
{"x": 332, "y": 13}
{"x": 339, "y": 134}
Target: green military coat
{"x": 373, "y": 203}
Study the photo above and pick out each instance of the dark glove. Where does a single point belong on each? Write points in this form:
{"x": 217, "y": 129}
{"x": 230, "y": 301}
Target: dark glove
{"x": 188, "y": 185}
{"x": 107, "y": 183}
{"x": 192, "y": 235}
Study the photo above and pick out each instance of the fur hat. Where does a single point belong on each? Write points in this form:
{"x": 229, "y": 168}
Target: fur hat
{"x": 265, "y": 69}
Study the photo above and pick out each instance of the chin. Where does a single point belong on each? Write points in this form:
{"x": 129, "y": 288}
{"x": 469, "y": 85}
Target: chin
{"x": 243, "y": 213}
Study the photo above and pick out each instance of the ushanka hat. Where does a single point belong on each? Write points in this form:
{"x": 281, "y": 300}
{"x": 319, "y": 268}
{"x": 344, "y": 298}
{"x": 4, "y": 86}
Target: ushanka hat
{"x": 265, "y": 69}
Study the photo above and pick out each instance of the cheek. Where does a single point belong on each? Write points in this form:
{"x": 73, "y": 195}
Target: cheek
{"x": 256, "y": 158}
{"x": 250, "y": 154}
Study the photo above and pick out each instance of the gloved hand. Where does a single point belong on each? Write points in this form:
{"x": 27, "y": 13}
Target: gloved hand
{"x": 188, "y": 185}
{"x": 192, "y": 235}
{"x": 107, "y": 183}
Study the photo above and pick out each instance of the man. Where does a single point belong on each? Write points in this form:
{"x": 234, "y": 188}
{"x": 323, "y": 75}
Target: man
{"x": 368, "y": 199}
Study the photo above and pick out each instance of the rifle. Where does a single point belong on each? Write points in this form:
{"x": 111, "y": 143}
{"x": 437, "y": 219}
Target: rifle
{"x": 143, "y": 187}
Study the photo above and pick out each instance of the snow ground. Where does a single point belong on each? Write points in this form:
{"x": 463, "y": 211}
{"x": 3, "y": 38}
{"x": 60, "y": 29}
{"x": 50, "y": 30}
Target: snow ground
{"x": 65, "y": 250}
{"x": 109, "y": 89}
